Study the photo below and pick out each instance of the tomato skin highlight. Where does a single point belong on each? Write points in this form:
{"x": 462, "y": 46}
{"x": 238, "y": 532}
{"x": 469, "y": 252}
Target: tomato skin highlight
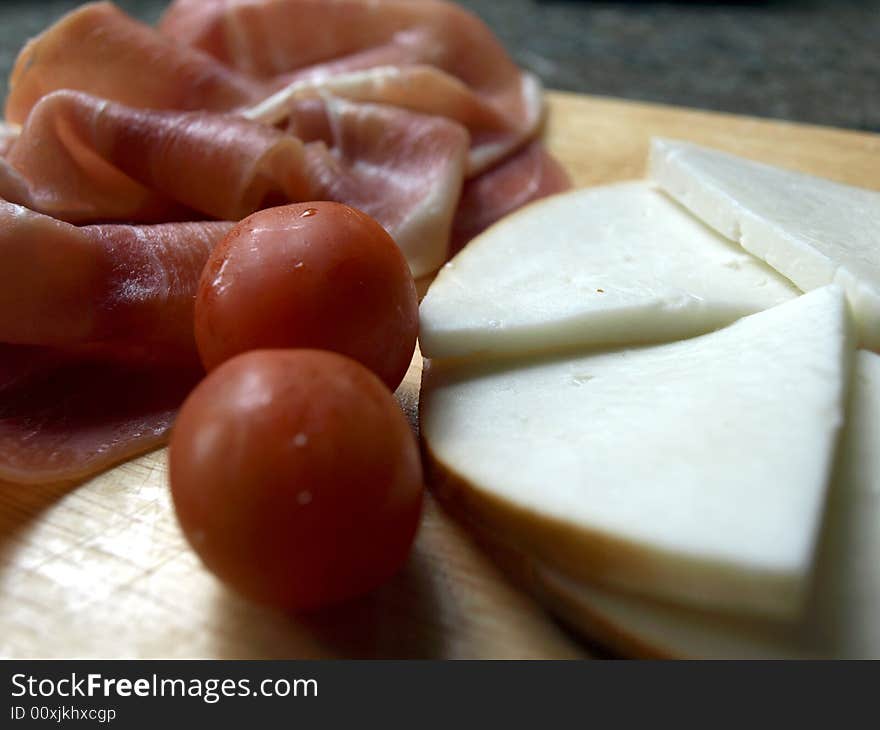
{"x": 312, "y": 275}
{"x": 296, "y": 477}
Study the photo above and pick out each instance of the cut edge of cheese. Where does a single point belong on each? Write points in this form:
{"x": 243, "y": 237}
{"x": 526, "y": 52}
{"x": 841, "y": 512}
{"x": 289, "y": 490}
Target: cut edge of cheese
{"x": 595, "y": 553}
{"x": 842, "y": 616}
{"x": 812, "y": 230}
{"x": 619, "y": 264}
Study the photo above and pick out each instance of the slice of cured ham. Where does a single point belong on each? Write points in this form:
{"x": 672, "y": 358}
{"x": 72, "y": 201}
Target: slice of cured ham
{"x": 418, "y": 88}
{"x": 528, "y": 175}
{"x": 69, "y": 413}
{"x": 85, "y": 159}
{"x": 101, "y": 50}
{"x": 404, "y": 169}
{"x": 111, "y": 166}
{"x": 63, "y": 285}
{"x": 97, "y": 345}
{"x": 313, "y": 41}
{"x": 271, "y": 37}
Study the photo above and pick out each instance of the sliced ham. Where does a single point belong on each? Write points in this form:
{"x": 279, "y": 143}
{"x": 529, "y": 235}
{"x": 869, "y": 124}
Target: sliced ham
{"x": 528, "y": 175}
{"x": 86, "y": 159}
{"x": 101, "y": 50}
{"x": 422, "y": 89}
{"x": 61, "y": 285}
{"x": 83, "y": 159}
{"x": 404, "y": 169}
{"x": 310, "y": 42}
{"x": 71, "y": 412}
{"x": 271, "y": 37}
{"x": 97, "y": 340}
{"x": 429, "y": 57}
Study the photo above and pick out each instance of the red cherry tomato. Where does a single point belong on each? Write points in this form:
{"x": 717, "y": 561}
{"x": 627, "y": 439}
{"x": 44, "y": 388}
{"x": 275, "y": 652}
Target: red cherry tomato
{"x": 312, "y": 275}
{"x": 296, "y": 477}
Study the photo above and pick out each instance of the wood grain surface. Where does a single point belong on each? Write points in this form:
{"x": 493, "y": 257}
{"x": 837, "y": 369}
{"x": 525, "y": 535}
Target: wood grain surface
{"x": 101, "y": 569}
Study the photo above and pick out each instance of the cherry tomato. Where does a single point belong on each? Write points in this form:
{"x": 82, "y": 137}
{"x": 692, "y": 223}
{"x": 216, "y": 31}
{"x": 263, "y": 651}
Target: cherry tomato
{"x": 312, "y": 275}
{"x": 296, "y": 477}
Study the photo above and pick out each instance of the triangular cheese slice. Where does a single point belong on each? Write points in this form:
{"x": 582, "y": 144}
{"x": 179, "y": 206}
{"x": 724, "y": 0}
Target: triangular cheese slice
{"x": 621, "y": 264}
{"x": 811, "y": 230}
{"x": 694, "y": 471}
{"x": 842, "y": 616}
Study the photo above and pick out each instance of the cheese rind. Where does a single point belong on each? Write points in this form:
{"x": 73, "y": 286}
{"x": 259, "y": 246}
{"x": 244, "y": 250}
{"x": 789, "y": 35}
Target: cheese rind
{"x": 694, "y": 471}
{"x": 620, "y": 264}
{"x": 842, "y": 615}
{"x": 811, "y": 230}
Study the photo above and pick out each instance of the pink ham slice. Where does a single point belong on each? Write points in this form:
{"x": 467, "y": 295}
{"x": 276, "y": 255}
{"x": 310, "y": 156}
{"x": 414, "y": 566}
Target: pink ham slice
{"x": 68, "y": 413}
{"x": 271, "y": 37}
{"x": 267, "y": 38}
{"x": 404, "y": 169}
{"x": 97, "y": 345}
{"x": 422, "y": 89}
{"x": 312, "y": 41}
{"x": 61, "y": 285}
{"x": 529, "y": 175}
{"x": 82, "y": 159}
{"x": 429, "y": 57}
{"x": 447, "y": 64}
{"x": 100, "y": 50}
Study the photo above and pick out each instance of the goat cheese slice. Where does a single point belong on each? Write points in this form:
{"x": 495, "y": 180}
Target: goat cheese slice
{"x": 620, "y": 264}
{"x": 811, "y": 230}
{"x": 694, "y": 471}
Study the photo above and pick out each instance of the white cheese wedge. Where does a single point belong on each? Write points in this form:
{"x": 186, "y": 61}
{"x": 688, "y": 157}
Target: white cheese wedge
{"x": 842, "y": 616}
{"x": 811, "y": 230}
{"x": 620, "y": 264}
{"x": 694, "y": 471}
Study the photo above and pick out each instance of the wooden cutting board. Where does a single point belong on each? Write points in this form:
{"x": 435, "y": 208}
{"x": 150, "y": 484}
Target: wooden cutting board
{"x": 101, "y": 569}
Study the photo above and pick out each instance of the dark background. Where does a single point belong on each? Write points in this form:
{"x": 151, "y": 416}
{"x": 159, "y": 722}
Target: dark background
{"x": 811, "y": 60}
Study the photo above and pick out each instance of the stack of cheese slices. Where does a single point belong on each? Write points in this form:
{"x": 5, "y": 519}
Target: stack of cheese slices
{"x": 652, "y": 396}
